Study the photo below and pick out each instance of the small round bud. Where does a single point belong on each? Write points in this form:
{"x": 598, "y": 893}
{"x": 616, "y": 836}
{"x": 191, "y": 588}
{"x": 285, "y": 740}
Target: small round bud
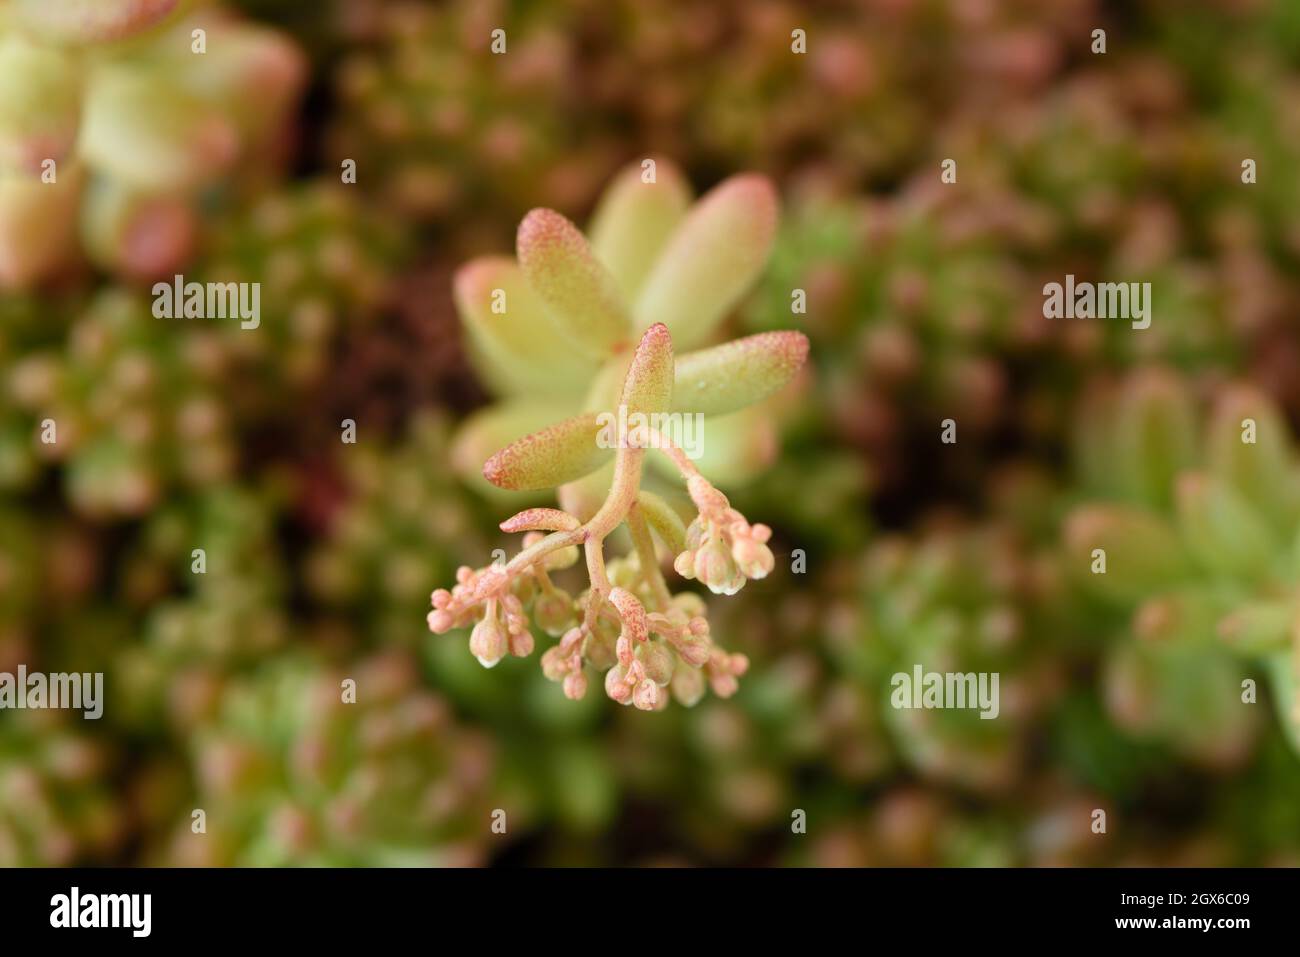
{"x": 487, "y": 643}
{"x": 646, "y": 695}
{"x": 575, "y": 686}
{"x": 713, "y": 565}
{"x": 521, "y": 643}
{"x": 695, "y": 651}
{"x": 724, "y": 685}
{"x": 553, "y": 612}
{"x": 684, "y": 564}
{"x": 555, "y": 663}
{"x": 688, "y": 685}
{"x": 658, "y": 662}
{"x": 616, "y": 687}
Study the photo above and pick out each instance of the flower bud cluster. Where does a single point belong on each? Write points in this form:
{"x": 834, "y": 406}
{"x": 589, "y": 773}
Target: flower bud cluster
{"x": 722, "y": 549}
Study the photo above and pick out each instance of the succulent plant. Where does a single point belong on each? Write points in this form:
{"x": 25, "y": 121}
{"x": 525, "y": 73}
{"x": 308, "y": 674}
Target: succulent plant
{"x": 438, "y": 121}
{"x": 1189, "y": 539}
{"x": 56, "y": 806}
{"x": 116, "y": 129}
{"x": 325, "y": 264}
{"x": 965, "y": 601}
{"x": 400, "y": 526}
{"x": 570, "y": 311}
{"x": 307, "y": 764}
{"x": 134, "y": 407}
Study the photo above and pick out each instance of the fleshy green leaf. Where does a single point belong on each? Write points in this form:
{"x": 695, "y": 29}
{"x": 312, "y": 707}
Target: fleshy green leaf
{"x": 557, "y": 454}
{"x": 1222, "y": 528}
{"x": 40, "y": 104}
{"x": 89, "y": 21}
{"x": 633, "y": 221}
{"x": 1260, "y": 627}
{"x": 1261, "y": 469}
{"x": 648, "y": 388}
{"x": 733, "y": 449}
{"x": 1154, "y": 436}
{"x": 1286, "y": 695}
{"x": 607, "y": 385}
{"x": 151, "y": 133}
{"x": 38, "y": 223}
{"x": 580, "y": 294}
{"x": 516, "y": 346}
{"x": 584, "y": 497}
{"x": 711, "y": 260}
{"x": 495, "y": 427}
{"x": 1143, "y": 553}
{"x": 737, "y": 374}
{"x": 666, "y": 522}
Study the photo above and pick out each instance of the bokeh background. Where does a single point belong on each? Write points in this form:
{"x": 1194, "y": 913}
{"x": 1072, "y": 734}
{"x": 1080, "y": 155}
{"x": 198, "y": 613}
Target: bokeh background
{"x": 924, "y": 302}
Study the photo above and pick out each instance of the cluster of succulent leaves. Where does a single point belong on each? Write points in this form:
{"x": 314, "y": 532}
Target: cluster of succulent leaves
{"x": 565, "y": 315}
{"x": 1197, "y": 517}
{"x": 117, "y": 137}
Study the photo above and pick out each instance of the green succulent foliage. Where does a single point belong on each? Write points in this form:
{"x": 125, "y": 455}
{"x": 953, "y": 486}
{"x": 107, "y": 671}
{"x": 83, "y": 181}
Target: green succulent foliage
{"x": 966, "y": 601}
{"x": 113, "y": 131}
{"x": 1196, "y": 513}
{"x": 307, "y": 764}
{"x": 325, "y": 264}
{"x": 136, "y": 407}
{"x": 439, "y": 122}
{"x": 402, "y": 526}
{"x": 208, "y": 582}
{"x": 557, "y": 325}
{"x": 56, "y": 805}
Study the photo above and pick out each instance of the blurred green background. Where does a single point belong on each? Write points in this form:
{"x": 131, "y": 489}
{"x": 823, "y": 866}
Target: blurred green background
{"x": 924, "y": 303}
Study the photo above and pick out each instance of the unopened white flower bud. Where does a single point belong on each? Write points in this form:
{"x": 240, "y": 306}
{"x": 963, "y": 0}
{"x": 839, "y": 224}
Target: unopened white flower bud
{"x": 487, "y": 643}
{"x": 646, "y": 695}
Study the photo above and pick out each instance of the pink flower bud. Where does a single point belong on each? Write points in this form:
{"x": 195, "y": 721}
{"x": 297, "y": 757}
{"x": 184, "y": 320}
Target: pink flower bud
{"x": 724, "y": 685}
{"x": 688, "y": 685}
{"x": 487, "y": 643}
{"x": 658, "y": 662}
{"x": 555, "y": 663}
{"x": 616, "y": 687}
{"x": 714, "y": 567}
{"x": 553, "y": 612}
{"x": 684, "y": 564}
{"x": 754, "y": 559}
{"x": 646, "y": 695}
{"x": 440, "y": 621}
{"x": 521, "y": 643}
{"x": 575, "y": 685}
{"x": 695, "y": 651}
{"x": 571, "y": 639}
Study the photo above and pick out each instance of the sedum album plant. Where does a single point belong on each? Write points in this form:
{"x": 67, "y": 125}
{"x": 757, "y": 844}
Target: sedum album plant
{"x": 656, "y": 273}
{"x": 1192, "y": 534}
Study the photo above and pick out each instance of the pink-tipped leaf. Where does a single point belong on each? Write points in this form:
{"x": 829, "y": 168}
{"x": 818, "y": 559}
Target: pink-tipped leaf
{"x": 580, "y": 295}
{"x": 737, "y": 374}
{"x": 557, "y": 454}
{"x": 711, "y": 260}
{"x": 634, "y": 219}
